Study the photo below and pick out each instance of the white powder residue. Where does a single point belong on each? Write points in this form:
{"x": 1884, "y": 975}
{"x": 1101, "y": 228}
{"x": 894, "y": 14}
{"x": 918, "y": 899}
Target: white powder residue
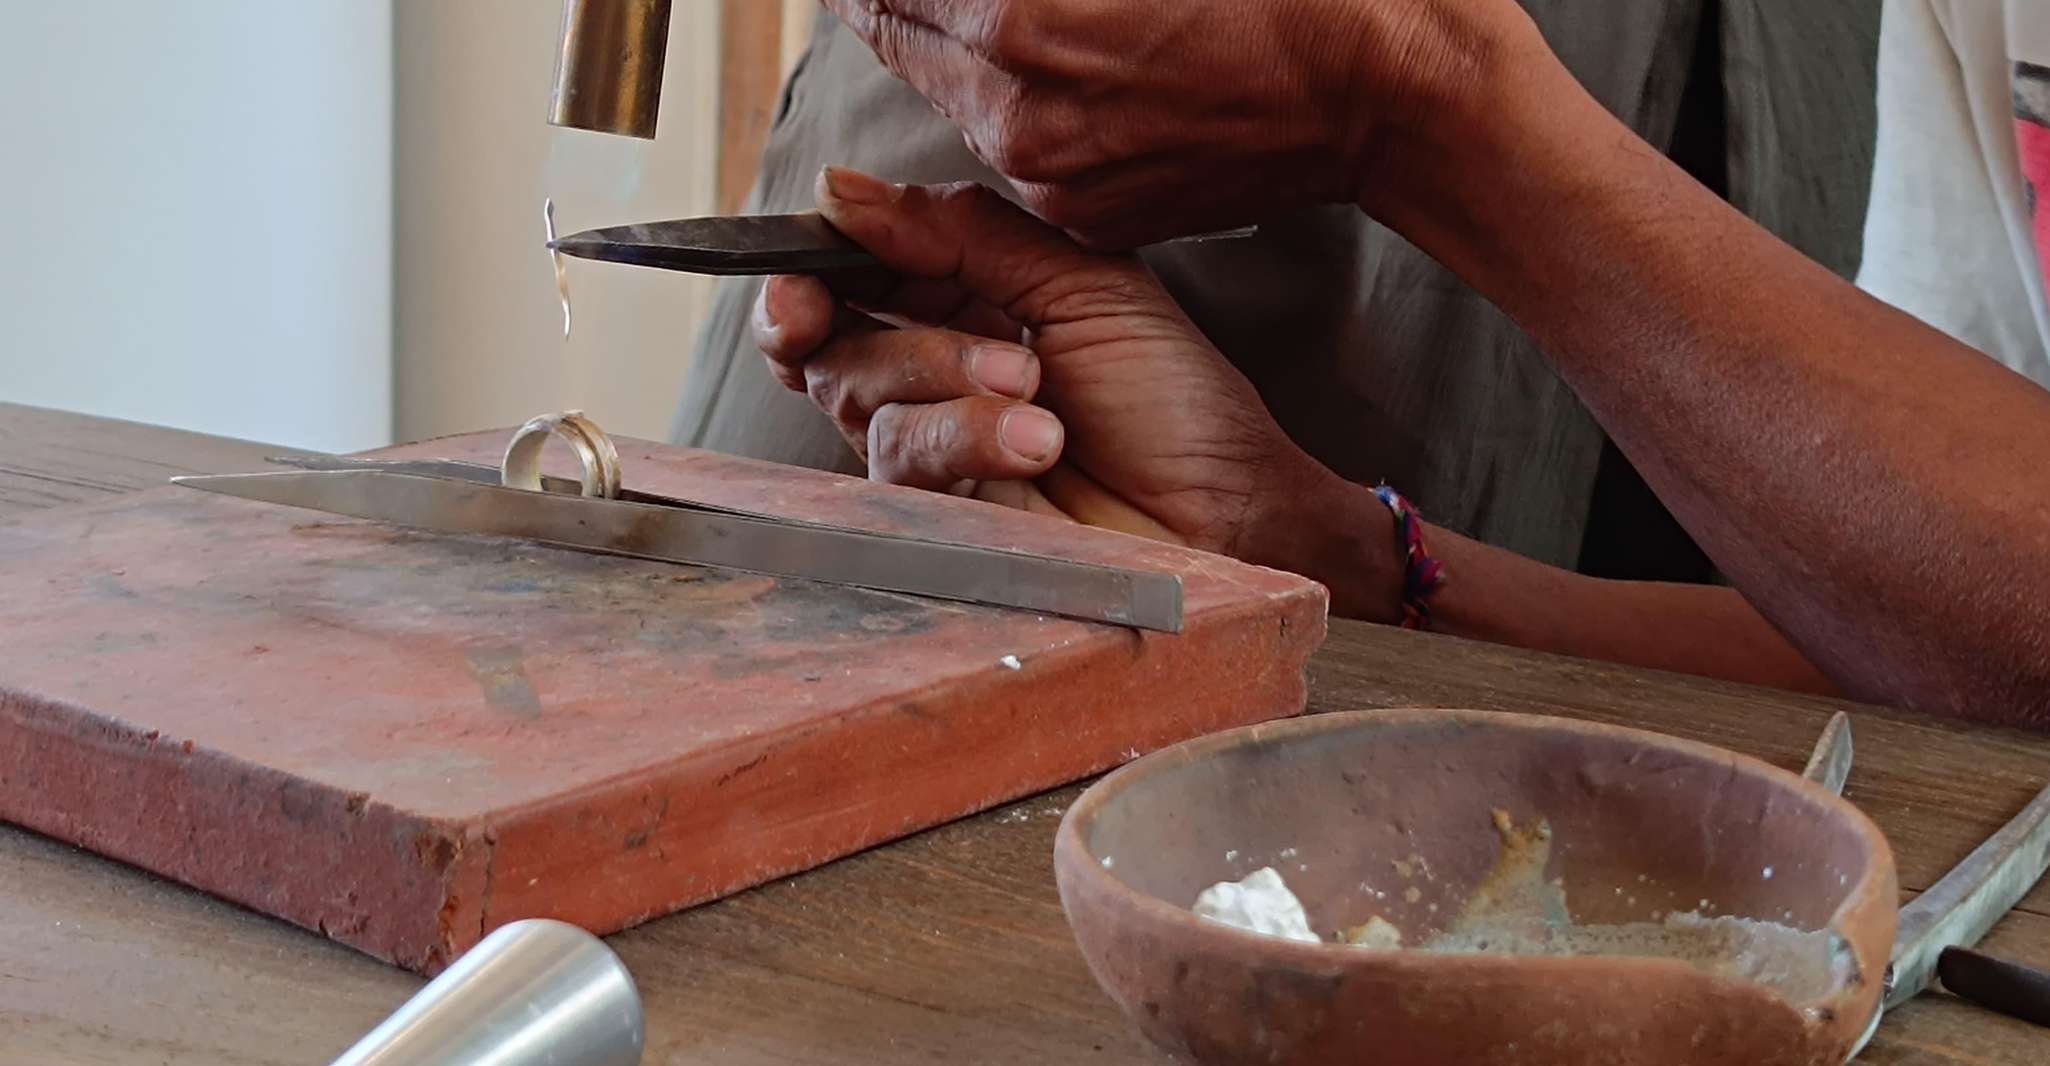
{"x": 1515, "y": 911}
{"x": 1799, "y": 965}
{"x": 1259, "y": 903}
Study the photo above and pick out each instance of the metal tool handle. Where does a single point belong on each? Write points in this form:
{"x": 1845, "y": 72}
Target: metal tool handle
{"x": 2011, "y": 988}
{"x": 533, "y": 993}
{"x": 1964, "y": 903}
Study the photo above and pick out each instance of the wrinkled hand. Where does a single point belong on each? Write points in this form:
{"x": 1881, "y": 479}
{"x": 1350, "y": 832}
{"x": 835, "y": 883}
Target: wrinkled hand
{"x": 1125, "y": 121}
{"x": 1031, "y": 372}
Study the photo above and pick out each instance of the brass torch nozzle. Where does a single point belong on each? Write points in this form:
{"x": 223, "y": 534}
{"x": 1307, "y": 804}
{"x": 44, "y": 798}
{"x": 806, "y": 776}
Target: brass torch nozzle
{"x": 608, "y": 72}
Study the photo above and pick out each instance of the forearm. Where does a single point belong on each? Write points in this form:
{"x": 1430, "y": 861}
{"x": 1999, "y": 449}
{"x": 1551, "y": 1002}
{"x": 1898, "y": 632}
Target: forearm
{"x": 1877, "y": 490}
{"x": 1707, "y": 630}
{"x": 1498, "y": 596}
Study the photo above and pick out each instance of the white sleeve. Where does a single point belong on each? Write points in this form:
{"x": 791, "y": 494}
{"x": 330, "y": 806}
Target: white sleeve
{"x": 1937, "y": 243}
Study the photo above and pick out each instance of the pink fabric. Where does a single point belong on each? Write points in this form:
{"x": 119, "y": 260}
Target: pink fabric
{"x": 2032, "y": 139}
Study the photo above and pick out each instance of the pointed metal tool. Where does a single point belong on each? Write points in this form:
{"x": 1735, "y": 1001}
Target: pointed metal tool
{"x": 746, "y": 244}
{"x": 1959, "y": 909}
{"x": 1939, "y": 927}
{"x": 705, "y": 537}
{"x": 802, "y": 243}
{"x": 1830, "y": 763}
{"x": 533, "y": 993}
{"x": 597, "y": 514}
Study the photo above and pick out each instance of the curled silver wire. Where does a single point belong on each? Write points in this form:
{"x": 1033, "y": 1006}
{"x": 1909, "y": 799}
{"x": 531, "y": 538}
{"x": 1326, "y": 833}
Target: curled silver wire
{"x": 555, "y": 260}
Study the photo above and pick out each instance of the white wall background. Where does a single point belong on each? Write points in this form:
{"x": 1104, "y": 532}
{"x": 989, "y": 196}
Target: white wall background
{"x": 196, "y": 202}
{"x": 479, "y": 329}
{"x": 318, "y": 222}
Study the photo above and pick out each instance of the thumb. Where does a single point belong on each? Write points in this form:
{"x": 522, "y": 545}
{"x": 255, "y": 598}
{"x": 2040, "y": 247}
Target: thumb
{"x": 967, "y": 234}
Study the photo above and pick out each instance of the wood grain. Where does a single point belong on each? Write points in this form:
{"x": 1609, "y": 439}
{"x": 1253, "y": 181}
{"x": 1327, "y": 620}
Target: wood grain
{"x": 1937, "y": 788}
{"x": 800, "y": 18}
{"x": 947, "y": 947}
{"x": 751, "y": 50}
{"x": 49, "y": 458}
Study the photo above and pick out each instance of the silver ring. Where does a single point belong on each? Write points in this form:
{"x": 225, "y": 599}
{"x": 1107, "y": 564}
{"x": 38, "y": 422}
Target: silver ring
{"x": 521, "y": 467}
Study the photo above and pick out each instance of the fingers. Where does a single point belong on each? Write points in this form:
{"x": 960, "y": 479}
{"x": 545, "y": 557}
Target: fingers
{"x": 1079, "y": 496}
{"x": 793, "y": 316}
{"x": 938, "y": 65}
{"x": 855, "y": 375}
{"x": 974, "y": 438}
{"x": 925, "y": 301}
{"x": 1018, "y": 495}
{"x": 806, "y": 334}
{"x": 937, "y": 302}
{"x": 1118, "y": 210}
{"x": 966, "y": 21}
{"x": 853, "y": 369}
{"x": 990, "y": 248}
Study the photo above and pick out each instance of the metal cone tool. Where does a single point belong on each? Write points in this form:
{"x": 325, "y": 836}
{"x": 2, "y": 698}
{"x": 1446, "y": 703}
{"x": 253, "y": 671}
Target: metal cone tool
{"x": 533, "y": 993}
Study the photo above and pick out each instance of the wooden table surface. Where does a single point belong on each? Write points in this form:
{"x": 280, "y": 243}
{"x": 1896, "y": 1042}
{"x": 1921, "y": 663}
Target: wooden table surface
{"x": 947, "y": 947}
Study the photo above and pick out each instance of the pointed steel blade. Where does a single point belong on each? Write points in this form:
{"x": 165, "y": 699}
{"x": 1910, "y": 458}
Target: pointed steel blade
{"x": 484, "y": 474}
{"x": 862, "y": 559}
{"x": 481, "y": 473}
{"x": 1959, "y": 909}
{"x": 455, "y": 468}
{"x": 803, "y": 243}
{"x": 1830, "y": 763}
{"x": 730, "y": 245}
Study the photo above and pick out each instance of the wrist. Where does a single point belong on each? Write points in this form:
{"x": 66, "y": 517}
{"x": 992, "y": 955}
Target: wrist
{"x": 1337, "y": 533}
{"x": 1477, "y": 94}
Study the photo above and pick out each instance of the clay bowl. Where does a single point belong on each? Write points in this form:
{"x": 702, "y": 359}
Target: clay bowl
{"x": 1390, "y": 814}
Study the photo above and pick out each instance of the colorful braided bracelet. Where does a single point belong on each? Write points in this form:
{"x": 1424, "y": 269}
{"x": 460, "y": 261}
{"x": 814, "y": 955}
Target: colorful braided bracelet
{"x": 1422, "y": 573}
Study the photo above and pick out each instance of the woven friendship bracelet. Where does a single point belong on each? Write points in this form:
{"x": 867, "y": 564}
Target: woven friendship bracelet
{"x": 1422, "y": 573}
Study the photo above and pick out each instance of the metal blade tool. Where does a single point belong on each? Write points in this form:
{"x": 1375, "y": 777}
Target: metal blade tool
{"x": 1937, "y": 930}
{"x": 597, "y": 514}
{"x": 803, "y": 243}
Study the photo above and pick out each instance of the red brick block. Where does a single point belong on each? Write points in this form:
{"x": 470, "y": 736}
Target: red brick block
{"x": 404, "y": 739}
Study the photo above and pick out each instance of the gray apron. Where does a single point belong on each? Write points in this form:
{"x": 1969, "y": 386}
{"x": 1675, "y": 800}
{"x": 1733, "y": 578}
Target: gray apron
{"x": 1373, "y": 357}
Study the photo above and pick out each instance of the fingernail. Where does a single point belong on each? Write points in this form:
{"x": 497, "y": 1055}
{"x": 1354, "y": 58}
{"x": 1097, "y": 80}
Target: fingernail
{"x": 854, "y": 187}
{"x": 1002, "y": 369}
{"x": 1029, "y": 432}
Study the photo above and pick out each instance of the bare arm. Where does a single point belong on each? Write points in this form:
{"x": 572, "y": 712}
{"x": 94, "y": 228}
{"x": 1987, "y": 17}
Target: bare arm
{"x": 1158, "y": 434}
{"x": 1880, "y": 492}
{"x": 1498, "y": 596}
{"x": 1875, "y": 490}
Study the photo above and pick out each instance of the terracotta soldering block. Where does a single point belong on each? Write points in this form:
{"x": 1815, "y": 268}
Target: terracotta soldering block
{"x": 406, "y": 739}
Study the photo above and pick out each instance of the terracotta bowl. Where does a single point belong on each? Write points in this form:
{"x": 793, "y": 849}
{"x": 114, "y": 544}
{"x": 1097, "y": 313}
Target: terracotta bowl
{"x": 1390, "y": 814}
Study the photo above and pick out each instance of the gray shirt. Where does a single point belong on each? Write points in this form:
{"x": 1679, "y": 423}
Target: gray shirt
{"x": 1373, "y": 357}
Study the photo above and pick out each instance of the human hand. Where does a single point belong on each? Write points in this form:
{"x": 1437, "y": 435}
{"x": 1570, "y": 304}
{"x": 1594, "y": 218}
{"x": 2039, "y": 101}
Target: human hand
{"x": 1127, "y": 122}
{"x": 1035, "y": 373}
